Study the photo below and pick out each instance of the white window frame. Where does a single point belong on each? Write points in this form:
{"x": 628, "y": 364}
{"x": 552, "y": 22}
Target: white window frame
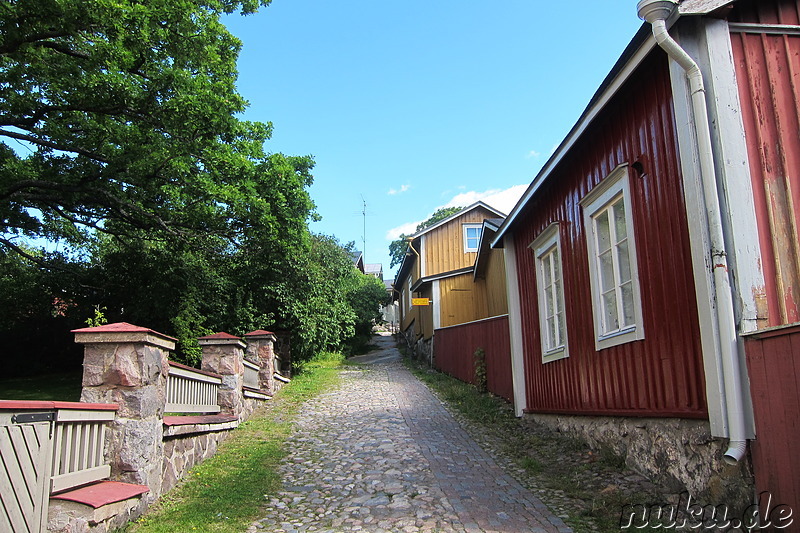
{"x": 615, "y": 186}
{"x": 408, "y": 293}
{"x": 467, "y": 248}
{"x": 548, "y": 242}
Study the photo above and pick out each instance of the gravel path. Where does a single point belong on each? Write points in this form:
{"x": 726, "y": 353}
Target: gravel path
{"x": 382, "y": 454}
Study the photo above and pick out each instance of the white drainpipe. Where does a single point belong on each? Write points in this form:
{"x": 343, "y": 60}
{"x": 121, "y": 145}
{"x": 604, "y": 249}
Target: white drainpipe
{"x": 656, "y": 12}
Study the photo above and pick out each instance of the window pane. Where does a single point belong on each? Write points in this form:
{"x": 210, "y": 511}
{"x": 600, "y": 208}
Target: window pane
{"x": 603, "y": 232}
{"x": 606, "y": 271}
{"x": 551, "y": 333}
{"x": 627, "y": 304}
{"x": 548, "y": 301}
{"x": 546, "y": 273}
{"x": 624, "y": 261}
{"x": 562, "y": 328}
{"x": 610, "y": 316}
{"x": 556, "y": 264}
{"x": 620, "y": 226}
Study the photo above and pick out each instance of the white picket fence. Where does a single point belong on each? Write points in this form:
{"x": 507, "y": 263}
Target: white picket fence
{"x": 251, "y": 375}
{"x": 78, "y": 448}
{"x": 191, "y": 391}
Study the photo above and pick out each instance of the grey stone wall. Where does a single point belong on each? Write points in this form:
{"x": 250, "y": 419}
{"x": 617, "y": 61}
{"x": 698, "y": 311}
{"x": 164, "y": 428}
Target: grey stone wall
{"x": 183, "y": 452}
{"x": 679, "y": 454}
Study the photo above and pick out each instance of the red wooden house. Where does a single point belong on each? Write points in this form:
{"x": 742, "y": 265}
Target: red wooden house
{"x": 659, "y": 236}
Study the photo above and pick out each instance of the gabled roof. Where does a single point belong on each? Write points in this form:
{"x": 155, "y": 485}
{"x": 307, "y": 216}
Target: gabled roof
{"x": 373, "y": 268}
{"x": 405, "y": 265}
{"x": 636, "y": 51}
{"x": 456, "y": 215}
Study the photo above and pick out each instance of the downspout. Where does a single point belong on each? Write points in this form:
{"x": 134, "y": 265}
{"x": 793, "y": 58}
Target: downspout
{"x": 656, "y": 12}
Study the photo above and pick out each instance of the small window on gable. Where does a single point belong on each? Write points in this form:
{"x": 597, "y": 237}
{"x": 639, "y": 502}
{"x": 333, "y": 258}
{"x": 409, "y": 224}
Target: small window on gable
{"x": 550, "y": 291}
{"x": 472, "y": 237}
{"x": 616, "y": 300}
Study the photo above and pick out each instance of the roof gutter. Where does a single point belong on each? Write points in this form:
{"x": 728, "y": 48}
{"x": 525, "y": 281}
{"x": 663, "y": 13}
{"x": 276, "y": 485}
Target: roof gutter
{"x": 656, "y": 12}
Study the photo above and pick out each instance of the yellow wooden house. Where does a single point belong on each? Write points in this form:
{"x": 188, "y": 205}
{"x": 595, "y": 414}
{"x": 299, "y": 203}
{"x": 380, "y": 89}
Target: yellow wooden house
{"x": 450, "y": 275}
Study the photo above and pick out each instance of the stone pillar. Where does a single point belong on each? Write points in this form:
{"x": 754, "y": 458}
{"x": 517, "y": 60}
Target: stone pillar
{"x": 223, "y": 354}
{"x": 260, "y": 350}
{"x": 127, "y": 365}
{"x": 283, "y": 352}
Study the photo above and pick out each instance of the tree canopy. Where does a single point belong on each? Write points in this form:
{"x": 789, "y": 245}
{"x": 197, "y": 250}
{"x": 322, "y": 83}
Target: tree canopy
{"x": 399, "y": 247}
{"x": 118, "y": 116}
{"x": 120, "y": 138}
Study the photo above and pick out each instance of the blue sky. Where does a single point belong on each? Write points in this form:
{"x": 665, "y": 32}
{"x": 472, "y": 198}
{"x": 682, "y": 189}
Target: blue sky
{"x": 412, "y": 106}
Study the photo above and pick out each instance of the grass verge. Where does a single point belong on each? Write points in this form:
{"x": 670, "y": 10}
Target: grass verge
{"x": 225, "y": 492}
{"x": 579, "y": 484}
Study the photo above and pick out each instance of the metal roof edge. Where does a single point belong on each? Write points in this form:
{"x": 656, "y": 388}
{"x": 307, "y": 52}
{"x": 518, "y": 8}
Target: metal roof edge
{"x": 442, "y": 275}
{"x": 467, "y": 209}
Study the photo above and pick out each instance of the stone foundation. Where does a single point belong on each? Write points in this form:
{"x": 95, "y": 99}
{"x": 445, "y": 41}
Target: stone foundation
{"x": 72, "y": 517}
{"x": 421, "y": 349}
{"x": 183, "y": 452}
{"x": 679, "y": 454}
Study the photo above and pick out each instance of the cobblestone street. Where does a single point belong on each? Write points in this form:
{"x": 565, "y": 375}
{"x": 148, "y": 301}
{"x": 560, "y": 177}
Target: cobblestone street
{"x": 382, "y": 454}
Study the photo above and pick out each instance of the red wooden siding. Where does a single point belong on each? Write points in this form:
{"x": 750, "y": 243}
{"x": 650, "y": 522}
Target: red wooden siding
{"x": 774, "y": 370}
{"x": 768, "y": 71}
{"x": 661, "y": 375}
{"x": 455, "y": 348}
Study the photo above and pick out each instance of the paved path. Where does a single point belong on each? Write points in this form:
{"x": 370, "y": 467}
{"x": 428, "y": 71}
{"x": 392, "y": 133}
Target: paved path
{"x": 381, "y": 454}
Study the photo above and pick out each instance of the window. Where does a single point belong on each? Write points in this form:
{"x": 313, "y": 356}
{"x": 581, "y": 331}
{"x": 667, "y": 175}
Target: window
{"x": 408, "y": 293}
{"x": 550, "y": 289}
{"x": 472, "y": 237}
{"x": 616, "y": 302}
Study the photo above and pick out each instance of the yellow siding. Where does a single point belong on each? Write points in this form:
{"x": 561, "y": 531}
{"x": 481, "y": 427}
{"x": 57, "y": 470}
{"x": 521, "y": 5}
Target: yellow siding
{"x": 444, "y": 246}
{"x": 425, "y": 327}
{"x": 496, "y": 296}
{"x": 462, "y": 300}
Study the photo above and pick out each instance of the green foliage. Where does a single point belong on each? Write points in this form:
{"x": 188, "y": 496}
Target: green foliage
{"x": 120, "y": 116}
{"x": 399, "y": 247}
{"x": 120, "y": 141}
{"x": 99, "y": 317}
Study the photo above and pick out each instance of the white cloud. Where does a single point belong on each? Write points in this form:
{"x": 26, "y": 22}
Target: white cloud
{"x": 533, "y": 153}
{"x": 407, "y": 228}
{"x": 402, "y": 189}
{"x": 503, "y": 200}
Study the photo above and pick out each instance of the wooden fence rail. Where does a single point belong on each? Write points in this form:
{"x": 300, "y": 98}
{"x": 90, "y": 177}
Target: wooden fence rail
{"x": 251, "y": 375}
{"x": 78, "y": 449}
{"x": 190, "y": 390}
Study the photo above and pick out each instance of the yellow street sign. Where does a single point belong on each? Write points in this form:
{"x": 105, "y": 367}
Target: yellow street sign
{"x": 420, "y": 301}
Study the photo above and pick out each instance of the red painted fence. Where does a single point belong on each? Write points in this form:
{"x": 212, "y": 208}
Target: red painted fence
{"x": 454, "y": 349}
{"x": 773, "y": 362}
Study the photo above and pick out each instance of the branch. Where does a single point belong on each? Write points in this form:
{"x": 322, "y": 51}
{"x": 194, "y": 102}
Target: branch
{"x": 63, "y": 49}
{"x": 53, "y": 145}
{"x": 38, "y": 260}
{"x": 13, "y": 46}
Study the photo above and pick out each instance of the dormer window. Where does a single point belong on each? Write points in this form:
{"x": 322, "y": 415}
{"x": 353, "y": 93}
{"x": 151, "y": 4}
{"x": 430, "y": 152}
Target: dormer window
{"x": 472, "y": 237}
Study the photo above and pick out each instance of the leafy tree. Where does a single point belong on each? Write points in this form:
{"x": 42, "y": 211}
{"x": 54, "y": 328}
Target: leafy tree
{"x": 119, "y": 117}
{"x": 119, "y": 136}
{"x": 399, "y": 247}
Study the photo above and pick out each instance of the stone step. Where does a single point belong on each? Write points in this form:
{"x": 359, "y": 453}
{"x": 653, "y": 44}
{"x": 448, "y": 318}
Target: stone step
{"x": 97, "y": 507}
